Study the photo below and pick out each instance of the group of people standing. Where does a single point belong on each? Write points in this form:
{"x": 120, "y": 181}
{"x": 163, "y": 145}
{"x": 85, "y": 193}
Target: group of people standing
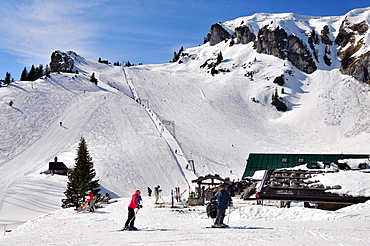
{"x": 222, "y": 197}
{"x": 157, "y": 192}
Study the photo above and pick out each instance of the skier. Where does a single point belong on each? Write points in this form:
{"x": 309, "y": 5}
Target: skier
{"x": 135, "y": 203}
{"x": 88, "y": 204}
{"x": 223, "y": 200}
{"x": 149, "y": 191}
{"x": 91, "y": 197}
{"x": 156, "y": 193}
{"x": 91, "y": 201}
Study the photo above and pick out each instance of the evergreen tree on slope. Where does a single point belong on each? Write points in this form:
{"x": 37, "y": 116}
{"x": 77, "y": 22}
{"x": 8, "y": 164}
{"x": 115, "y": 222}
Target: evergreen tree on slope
{"x": 24, "y": 75}
{"x": 81, "y": 180}
{"x": 7, "y": 79}
{"x": 32, "y": 74}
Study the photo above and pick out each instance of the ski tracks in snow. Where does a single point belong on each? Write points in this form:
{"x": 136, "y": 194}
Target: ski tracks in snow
{"x": 166, "y": 134}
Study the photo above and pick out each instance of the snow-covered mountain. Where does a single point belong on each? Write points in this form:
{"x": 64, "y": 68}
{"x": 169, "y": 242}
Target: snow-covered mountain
{"x": 307, "y": 42}
{"x": 215, "y": 112}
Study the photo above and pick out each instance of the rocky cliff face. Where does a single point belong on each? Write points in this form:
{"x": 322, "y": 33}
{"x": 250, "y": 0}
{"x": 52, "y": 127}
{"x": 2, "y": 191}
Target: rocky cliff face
{"x": 272, "y": 42}
{"x": 299, "y": 55}
{"x": 218, "y": 34}
{"x": 278, "y": 43}
{"x": 61, "y": 62}
{"x": 243, "y": 35}
{"x": 351, "y": 38}
{"x": 358, "y": 67}
{"x": 307, "y": 47}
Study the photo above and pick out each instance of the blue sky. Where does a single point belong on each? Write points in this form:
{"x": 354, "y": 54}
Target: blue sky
{"x": 141, "y": 31}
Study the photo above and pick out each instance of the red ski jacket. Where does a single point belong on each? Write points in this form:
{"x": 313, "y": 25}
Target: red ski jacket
{"x": 134, "y": 201}
{"x": 91, "y": 197}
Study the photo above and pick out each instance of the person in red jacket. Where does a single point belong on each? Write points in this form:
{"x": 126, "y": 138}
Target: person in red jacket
{"x": 88, "y": 202}
{"x": 135, "y": 203}
{"x": 91, "y": 197}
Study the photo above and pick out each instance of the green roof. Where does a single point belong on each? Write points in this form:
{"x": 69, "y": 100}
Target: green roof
{"x": 274, "y": 161}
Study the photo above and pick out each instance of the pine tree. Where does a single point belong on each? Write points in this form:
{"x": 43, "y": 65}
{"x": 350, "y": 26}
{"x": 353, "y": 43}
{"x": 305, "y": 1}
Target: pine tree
{"x": 219, "y": 58}
{"x": 81, "y": 180}
{"x": 39, "y": 71}
{"x": 280, "y": 106}
{"x": 32, "y": 74}
{"x": 7, "y": 79}
{"x": 47, "y": 71}
{"x": 24, "y": 75}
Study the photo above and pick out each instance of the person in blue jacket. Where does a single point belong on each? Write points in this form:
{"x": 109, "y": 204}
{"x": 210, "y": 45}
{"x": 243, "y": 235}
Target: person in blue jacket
{"x": 223, "y": 201}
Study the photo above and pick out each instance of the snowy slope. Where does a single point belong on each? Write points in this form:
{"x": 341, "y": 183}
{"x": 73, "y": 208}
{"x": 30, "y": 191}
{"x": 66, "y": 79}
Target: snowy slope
{"x": 216, "y": 124}
{"x": 125, "y": 145}
{"x": 250, "y": 225}
{"x": 328, "y": 110}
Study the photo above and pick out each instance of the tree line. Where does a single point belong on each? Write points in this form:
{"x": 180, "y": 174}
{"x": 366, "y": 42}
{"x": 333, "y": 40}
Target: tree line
{"x": 126, "y": 64}
{"x": 33, "y": 74}
{"x": 37, "y": 72}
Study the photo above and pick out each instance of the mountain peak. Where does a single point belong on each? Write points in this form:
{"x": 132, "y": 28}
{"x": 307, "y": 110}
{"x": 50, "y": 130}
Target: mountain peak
{"x": 308, "y": 42}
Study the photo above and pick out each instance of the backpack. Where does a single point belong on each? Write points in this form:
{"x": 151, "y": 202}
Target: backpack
{"x": 212, "y": 209}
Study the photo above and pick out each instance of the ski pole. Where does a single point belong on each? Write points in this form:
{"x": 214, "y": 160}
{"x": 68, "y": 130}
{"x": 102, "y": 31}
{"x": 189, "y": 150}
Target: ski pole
{"x": 228, "y": 216}
{"x": 136, "y": 213}
{"x": 134, "y": 216}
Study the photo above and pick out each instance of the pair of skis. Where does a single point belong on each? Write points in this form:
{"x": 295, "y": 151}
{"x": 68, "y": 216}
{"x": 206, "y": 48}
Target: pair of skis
{"x": 219, "y": 226}
{"x": 129, "y": 228}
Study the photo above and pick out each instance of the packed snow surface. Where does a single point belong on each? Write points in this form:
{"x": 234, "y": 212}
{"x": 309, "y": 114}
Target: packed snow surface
{"x": 250, "y": 224}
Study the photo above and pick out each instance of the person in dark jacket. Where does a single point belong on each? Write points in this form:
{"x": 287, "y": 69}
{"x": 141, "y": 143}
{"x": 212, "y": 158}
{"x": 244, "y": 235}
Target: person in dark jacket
{"x": 149, "y": 191}
{"x": 223, "y": 201}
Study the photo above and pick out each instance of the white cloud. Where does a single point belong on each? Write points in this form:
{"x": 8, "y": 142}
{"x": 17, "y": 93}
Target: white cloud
{"x": 33, "y": 29}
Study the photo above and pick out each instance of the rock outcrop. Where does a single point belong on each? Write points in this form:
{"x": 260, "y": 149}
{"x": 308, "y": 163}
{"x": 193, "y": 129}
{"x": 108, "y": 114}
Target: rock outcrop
{"x": 348, "y": 32}
{"x": 313, "y": 40}
{"x": 351, "y": 39}
{"x": 318, "y": 48}
{"x": 359, "y": 68}
{"x": 325, "y": 39}
{"x": 277, "y": 43}
{"x": 61, "y": 62}
{"x": 299, "y": 55}
{"x": 217, "y": 34}
{"x": 272, "y": 42}
{"x": 243, "y": 35}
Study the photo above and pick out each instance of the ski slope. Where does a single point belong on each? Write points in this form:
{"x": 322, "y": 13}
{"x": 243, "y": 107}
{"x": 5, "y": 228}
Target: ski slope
{"x": 212, "y": 120}
{"x": 127, "y": 148}
{"x": 215, "y": 122}
{"x": 250, "y": 224}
